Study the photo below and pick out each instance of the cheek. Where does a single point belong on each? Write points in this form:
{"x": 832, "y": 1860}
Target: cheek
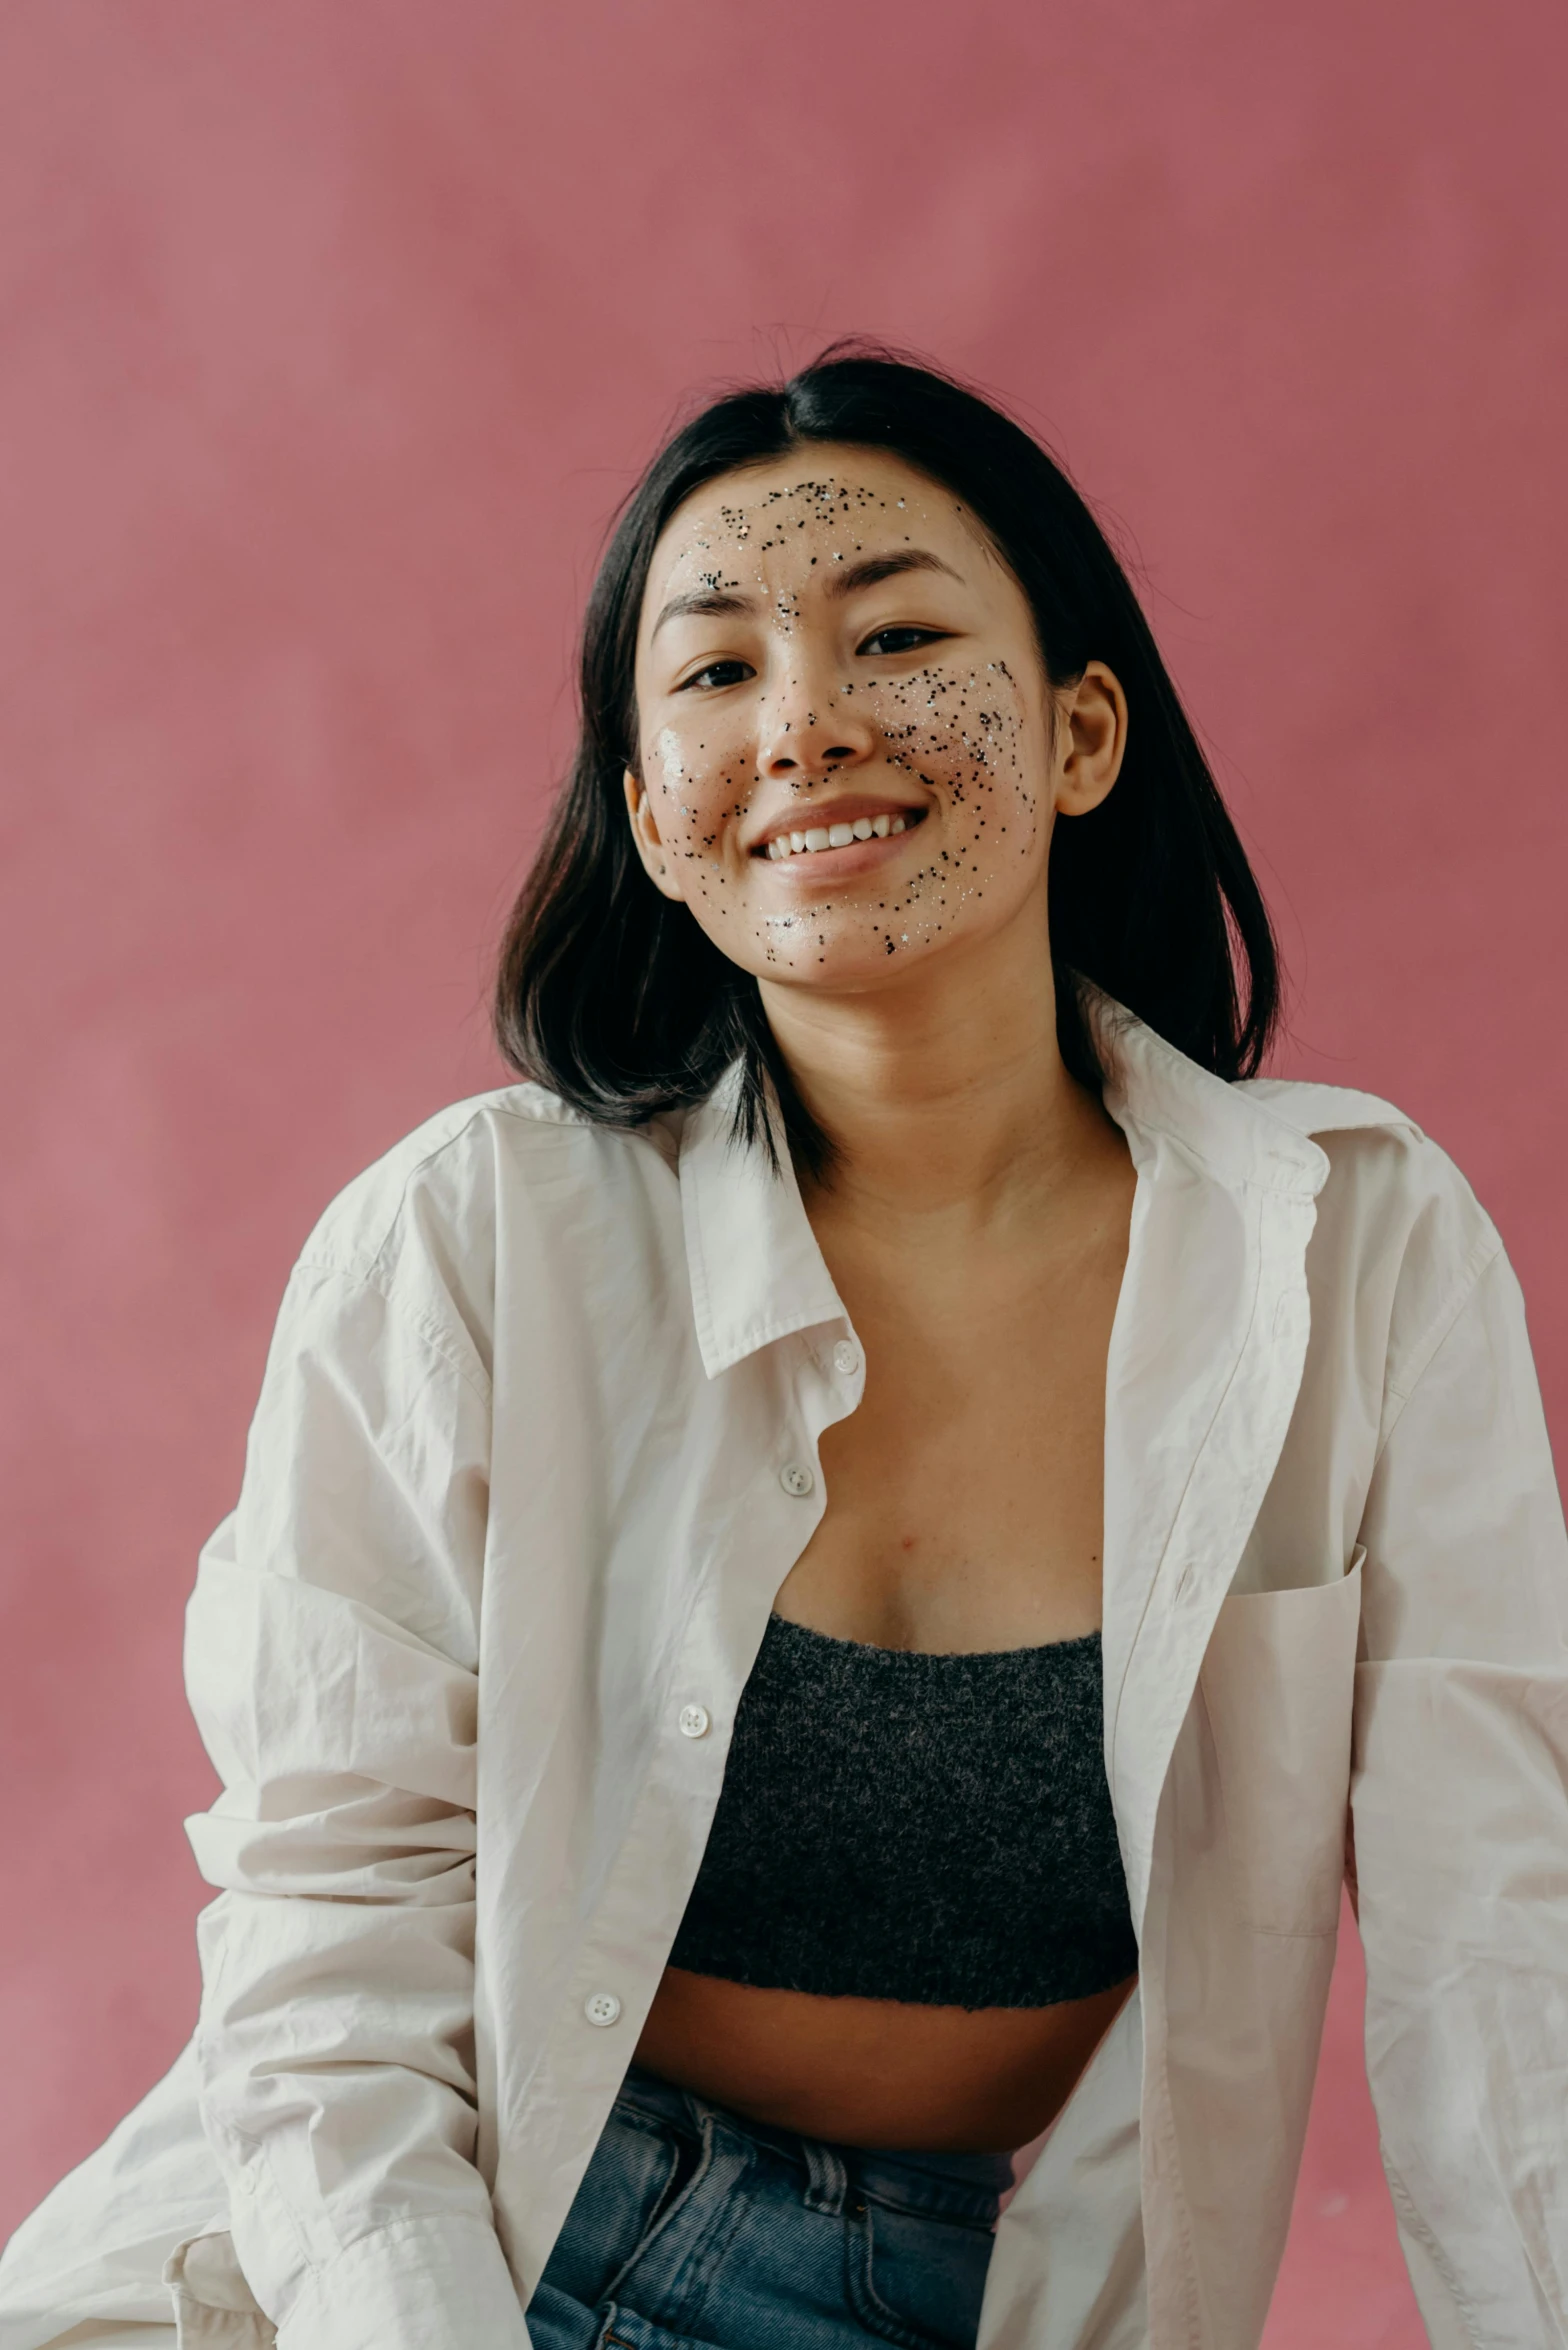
{"x": 699, "y": 787}
{"x": 970, "y": 735}
{"x": 662, "y": 768}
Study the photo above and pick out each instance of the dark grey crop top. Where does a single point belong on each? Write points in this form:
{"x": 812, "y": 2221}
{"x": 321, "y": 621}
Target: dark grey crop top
{"x": 929, "y": 1828}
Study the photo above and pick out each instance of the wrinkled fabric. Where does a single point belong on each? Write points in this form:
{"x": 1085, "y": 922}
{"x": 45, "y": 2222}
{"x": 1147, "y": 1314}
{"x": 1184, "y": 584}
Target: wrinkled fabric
{"x": 537, "y": 1443}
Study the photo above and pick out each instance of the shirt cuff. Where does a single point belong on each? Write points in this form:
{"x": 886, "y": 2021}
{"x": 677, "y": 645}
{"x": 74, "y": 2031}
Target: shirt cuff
{"x": 420, "y": 2284}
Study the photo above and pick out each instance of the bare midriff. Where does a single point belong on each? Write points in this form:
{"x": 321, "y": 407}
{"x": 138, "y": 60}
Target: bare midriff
{"x": 875, "y": 2072}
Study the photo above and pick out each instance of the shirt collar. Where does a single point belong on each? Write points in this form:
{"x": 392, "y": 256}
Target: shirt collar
{"x": 1151, "y": 1089}
{"x": 757, "y": 1273}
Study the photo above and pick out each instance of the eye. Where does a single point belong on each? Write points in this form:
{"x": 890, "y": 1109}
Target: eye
{"x": 901, "y": 640}
{"x": 717, "y": 675}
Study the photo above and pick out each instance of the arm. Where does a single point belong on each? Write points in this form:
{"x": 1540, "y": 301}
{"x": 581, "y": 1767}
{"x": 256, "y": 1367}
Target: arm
{"x": 1460, "y": 1806}
{"x": 332, "y": 1654}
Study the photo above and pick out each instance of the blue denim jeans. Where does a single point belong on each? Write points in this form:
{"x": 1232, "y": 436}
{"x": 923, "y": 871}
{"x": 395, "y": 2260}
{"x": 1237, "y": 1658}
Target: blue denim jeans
{"x": 695, "y": 2229}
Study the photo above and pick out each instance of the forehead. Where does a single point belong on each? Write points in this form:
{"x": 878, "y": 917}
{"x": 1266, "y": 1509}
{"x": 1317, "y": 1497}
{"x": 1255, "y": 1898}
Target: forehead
{"x": 851, "y": 497}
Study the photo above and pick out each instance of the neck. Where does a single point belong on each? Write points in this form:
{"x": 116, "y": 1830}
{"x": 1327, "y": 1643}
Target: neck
{"x": 946, "y": 1095}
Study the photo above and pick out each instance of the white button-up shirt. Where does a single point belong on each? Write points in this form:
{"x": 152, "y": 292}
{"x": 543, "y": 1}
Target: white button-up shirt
{"x": 536, "y": 1446}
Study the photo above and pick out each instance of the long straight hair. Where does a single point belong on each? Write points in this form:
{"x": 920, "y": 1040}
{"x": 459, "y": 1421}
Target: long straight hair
{"x": 610, "y": 994}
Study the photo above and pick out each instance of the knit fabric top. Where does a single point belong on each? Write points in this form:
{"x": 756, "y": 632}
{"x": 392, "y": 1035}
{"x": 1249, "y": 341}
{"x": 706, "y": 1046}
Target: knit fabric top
{"x": 895, "y": 1824}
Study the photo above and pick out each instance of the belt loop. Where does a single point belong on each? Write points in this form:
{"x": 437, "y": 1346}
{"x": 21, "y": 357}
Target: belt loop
{"x": 827, "y": 2181}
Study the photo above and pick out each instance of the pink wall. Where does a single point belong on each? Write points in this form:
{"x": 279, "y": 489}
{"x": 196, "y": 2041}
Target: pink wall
{"x": 331, "y": 336}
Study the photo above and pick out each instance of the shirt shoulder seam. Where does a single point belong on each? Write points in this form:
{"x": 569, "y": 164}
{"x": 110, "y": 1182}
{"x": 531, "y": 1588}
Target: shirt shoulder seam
{"x": 482, "y": 1106}
{"x": 1484, "y": 1252}
{"x": 435, "y": 1336}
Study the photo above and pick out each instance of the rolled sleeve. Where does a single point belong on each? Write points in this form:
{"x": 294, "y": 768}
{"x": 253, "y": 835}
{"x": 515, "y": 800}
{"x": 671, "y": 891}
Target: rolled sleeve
{"x": 331, "y": 1659}
{"x": 440, "y": 2283}
{"x": 1460, "y": 1808}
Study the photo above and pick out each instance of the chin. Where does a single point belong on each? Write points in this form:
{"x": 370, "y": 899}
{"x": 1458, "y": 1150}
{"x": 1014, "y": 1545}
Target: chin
{"x": 853, "y": 970}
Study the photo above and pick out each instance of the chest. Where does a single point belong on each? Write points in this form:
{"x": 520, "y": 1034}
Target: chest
{"x": 965, "y": 1496}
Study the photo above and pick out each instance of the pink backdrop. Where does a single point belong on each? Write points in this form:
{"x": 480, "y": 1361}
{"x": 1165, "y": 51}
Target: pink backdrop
{"x": 331, "y": 336}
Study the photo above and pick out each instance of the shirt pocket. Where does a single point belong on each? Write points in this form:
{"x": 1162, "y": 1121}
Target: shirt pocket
{"x": 1277, "y": 1687}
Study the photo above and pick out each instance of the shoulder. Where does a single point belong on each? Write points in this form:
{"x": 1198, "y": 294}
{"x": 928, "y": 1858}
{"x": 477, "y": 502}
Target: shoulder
{"x": 1397, "y": 1220}
{"x": 514, "y": 1170}
{"x": 452, "y": 1167}
{"x": 1374, "y": 1150}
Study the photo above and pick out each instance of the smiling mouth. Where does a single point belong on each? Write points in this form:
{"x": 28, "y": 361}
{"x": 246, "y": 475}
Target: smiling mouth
{"x": 811, "y": 840}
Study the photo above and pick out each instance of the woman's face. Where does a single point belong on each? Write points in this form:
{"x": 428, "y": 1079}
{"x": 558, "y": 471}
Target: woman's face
{"x": 848, "y": 765}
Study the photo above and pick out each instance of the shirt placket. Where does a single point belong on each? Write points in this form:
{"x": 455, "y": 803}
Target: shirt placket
{"x": 783, "y": 1398}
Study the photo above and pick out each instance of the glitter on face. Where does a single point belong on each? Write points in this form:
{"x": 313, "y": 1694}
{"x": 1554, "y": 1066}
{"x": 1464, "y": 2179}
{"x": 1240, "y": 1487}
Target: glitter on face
{"x": 799, "y": 698}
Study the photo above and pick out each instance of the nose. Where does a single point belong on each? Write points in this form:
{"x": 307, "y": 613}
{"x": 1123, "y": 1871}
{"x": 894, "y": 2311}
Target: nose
{"x": 808, "y": 731}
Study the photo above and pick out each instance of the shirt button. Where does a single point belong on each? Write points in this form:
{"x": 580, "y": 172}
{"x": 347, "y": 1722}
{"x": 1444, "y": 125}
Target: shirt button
{"x": 846, "y": 1358}
{"x": 694, "y": 1721}
{"x": 796, "y": 1478}
{"x": 602, "y": 2008}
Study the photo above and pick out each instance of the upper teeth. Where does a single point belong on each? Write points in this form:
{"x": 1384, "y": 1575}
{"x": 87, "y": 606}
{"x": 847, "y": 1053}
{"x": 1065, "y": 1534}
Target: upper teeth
{"x": 832, "y": 836}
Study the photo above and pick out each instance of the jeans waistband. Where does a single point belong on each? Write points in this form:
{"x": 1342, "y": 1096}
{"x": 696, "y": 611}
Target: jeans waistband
{"x": 965, "y": 2186}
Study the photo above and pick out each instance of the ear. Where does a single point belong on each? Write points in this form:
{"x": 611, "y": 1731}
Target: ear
{"x": 645, "y": 832}
{"x": 1091, "y": 739}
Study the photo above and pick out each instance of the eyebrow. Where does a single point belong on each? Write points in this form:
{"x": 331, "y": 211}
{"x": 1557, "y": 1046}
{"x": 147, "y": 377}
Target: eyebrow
{"x": 704, "y": 600}
{"x": 875, "y": 568}
{"x": 722, "y": 602}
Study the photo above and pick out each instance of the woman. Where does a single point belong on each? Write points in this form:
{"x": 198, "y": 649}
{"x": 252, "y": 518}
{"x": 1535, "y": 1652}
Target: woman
{"x": 818, "y": 1588}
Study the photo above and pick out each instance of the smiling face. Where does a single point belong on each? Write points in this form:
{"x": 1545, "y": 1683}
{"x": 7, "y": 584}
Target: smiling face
{"x": 848, "y": 762}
